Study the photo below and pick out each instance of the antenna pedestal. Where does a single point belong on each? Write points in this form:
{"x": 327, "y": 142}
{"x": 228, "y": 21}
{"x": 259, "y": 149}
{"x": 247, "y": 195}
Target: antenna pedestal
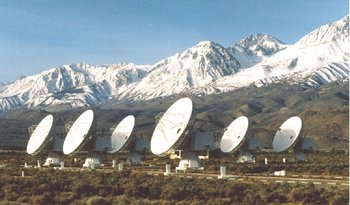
{"x": 53, "y": 158}
{"x": 298, "y": 156}
{"x": 134, "y": 158}
{"x": 92, "y": 160}
{"x": 188, "y": 160}
{"x": 245, "y": 157}
{"x": 304, "y": 145}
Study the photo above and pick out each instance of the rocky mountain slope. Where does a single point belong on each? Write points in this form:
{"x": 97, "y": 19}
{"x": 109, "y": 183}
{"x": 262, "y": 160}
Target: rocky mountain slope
{"x": 256, "y": 48}
{"x": 318, "y": 58}
{"x": 193, "y": 68}
{"x": 73, "y": 85}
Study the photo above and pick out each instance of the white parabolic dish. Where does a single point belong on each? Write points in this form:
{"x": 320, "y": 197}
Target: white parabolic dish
{"x": 78, "y": 133}
{"x": 40, "y": 136}
{"x": 121, "y": 134}
{"x": 234, "y": 135}
{"x": 287, "y": 134}
{"x": 171, "y": 126}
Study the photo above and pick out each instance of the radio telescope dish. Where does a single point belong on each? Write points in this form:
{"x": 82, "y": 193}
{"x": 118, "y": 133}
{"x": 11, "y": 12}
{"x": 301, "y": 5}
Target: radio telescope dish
{"x": 79, "y": 133}
{"x": 287, "y": 134}
{"x": 121, "y": 135}
{"x": 40, "y": 136}
{"x": 171, "y": 126}
{"x": 234, "y": 135}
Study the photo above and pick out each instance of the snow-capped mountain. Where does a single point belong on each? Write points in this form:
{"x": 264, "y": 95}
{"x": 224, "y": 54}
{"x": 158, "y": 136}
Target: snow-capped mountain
{"x": 329, "y": 43}
{"x": 316, "y": 59}
{"x": 256, "y": 48}
{"x": 74, "y": 85}
{"x": 195, "y": 67}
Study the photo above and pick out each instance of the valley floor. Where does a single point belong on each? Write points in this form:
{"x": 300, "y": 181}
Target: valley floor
{"x": 147, "y": 185}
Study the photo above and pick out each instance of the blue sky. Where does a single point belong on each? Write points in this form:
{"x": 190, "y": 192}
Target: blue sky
{"x": 36, "y": 35}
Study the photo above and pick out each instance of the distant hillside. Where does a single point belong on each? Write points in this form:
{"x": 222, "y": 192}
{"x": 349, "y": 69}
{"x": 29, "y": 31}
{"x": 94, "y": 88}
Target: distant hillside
{"x": 324, "y": 111}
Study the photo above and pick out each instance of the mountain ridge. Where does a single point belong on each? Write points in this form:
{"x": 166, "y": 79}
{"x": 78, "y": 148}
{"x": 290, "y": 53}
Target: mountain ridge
{"x": 195, "y": 67}
{"x": 255, "y": 48}
{"x": 318, "y": 58}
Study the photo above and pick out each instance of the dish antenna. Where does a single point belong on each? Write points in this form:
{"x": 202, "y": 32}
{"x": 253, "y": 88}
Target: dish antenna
{"x": 40, "y": 136}
{"x": 288, "y": 137}
{"x": 121, "y": 135}
{"x": 170, "y": 130}
{"x": 174, "y": 134}
{"x": 235, "y": 138}
{"x": 42, "y": 140}
{"x": 79, "y": 133}
{"x": 171, "y": 133}
{"x": 119, "y": 139}
{"x": 235, "y": 134}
